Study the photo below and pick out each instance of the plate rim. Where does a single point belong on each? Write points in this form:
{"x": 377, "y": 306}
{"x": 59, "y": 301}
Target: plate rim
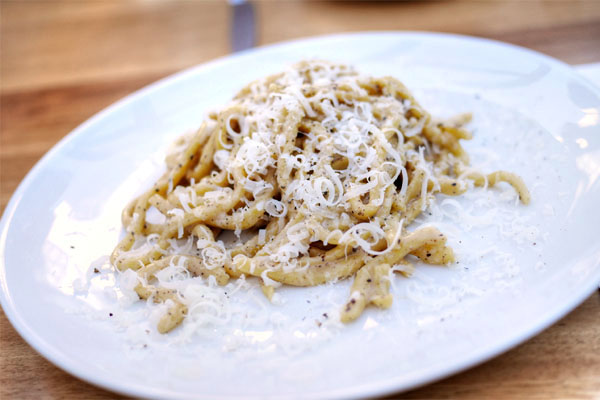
{"x": 378, "y": 388}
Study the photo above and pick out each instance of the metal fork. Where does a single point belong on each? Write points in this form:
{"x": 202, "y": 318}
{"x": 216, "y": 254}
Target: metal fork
{"x": 242, "y": 25}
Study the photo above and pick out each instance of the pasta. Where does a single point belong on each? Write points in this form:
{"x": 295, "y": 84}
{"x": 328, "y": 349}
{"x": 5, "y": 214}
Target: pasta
{"x": 306, "y": 177}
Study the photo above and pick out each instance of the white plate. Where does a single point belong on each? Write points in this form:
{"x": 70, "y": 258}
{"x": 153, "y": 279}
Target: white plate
{"x": 534, "y": 113}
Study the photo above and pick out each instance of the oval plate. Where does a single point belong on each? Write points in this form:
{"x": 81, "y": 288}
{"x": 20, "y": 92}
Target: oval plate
{"x": 65, "y": 216}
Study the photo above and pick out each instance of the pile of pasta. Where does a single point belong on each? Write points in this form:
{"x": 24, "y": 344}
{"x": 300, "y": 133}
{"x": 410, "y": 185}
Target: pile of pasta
{"x": 308, "y": 176}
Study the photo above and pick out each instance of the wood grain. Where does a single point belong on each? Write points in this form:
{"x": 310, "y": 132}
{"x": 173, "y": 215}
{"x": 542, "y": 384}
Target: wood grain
{"x": 63, "y": 61}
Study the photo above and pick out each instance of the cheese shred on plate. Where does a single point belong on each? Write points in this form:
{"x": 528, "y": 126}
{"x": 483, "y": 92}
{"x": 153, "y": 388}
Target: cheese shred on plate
{"x": 308, "y": 176}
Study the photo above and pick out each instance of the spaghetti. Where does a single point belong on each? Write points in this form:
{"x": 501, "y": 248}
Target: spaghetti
{"x": 306, "y": 177}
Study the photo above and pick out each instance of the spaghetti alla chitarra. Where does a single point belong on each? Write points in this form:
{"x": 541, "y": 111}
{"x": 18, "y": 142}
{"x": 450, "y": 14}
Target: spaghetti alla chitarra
{"x": 319, "y": 171}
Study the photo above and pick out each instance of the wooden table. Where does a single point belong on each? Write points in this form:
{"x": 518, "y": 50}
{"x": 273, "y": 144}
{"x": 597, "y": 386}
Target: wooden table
{"x": 63, "y": 61}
